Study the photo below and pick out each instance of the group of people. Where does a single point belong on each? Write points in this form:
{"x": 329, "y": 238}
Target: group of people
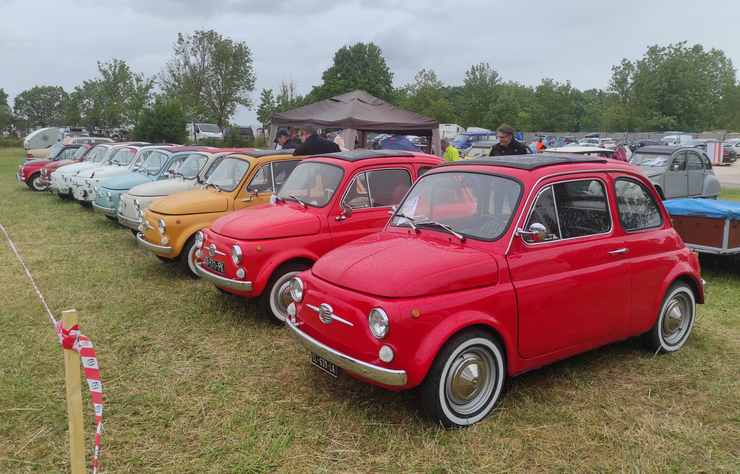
{"x": 310, "y": 143}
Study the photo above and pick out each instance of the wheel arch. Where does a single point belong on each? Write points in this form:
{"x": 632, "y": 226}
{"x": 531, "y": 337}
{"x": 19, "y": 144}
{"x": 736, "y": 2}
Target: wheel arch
{"x": 276, "y": 263}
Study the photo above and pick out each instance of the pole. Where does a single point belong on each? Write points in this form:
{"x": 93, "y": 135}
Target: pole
{"x": 74, "y": 401}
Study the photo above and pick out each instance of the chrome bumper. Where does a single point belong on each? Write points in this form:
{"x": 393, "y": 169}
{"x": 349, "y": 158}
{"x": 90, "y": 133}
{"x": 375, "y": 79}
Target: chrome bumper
{"x": 108, "y": 211}
{"x": 223, "y": 282}
{"x": 127, "y": 221}
{"x": 160, "y": 249}
{"x": 393, "y": 378}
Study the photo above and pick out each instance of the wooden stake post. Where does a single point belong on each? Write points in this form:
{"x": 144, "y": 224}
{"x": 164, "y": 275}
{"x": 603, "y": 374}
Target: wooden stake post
{"x": 74, "y": 401}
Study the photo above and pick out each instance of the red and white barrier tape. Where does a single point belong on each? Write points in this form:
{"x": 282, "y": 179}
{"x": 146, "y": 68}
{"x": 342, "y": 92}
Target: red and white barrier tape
{"x": 72, "y": 339}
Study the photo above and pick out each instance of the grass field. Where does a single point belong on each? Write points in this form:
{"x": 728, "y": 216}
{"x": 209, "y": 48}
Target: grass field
{"x": 194, "y": 382}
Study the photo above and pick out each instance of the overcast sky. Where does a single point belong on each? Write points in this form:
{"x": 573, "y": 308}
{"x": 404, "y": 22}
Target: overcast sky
{"x": 45, "y": 42}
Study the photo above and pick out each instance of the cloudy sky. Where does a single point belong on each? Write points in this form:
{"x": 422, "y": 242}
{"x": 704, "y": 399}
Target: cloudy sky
{"x": 46, "y": 42}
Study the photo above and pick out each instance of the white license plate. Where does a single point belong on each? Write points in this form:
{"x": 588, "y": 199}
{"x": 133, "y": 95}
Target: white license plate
{"x": 214, "y": 265}
{"x": 325, "y": 365}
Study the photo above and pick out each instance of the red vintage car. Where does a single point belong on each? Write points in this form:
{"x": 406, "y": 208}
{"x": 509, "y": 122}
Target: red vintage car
{"x": 494, "y": 267}
{"x": 48, "y": 169}
{"x": 325, "y": 202}
{"x": 30, "y": 174}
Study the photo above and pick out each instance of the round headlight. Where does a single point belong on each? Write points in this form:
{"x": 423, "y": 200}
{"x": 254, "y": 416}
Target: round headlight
{"x": 199, "y": 238}
{"x": 162, "y": 226}
{"x": 378, "y": 322}
{"x": 236, "y": 254}
{"x": 296, "y": 289}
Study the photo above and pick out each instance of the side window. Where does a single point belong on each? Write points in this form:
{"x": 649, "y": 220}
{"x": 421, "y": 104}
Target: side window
{"x": 68, "y": 153}
{"x": 281, "y": 170}
{"x": 357, "y": 196}
{"x": 637, "y": 208}
{"x": 679, "y": 162}
{"x": 262, "y": 181}
{"x": 545, "y": 213}
{"x": 582, "y": 208}
{"x": 388, "y": 187}
{"x": 693, "y": 162}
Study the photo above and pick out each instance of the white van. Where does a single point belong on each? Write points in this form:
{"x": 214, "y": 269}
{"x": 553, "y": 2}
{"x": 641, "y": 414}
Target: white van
{"x": 201, "y": 131}
{"x": 42, "y": 138}
{"x": 448, "y": 131}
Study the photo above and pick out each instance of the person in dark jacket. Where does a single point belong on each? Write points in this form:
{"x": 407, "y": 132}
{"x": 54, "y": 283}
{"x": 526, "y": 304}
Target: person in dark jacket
{"x": 313, "y": 144}
{"x": 507, "y": 145}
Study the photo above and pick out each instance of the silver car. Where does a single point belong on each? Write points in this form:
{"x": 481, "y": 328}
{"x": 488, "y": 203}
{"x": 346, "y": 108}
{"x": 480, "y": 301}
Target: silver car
{"x": 677, "y": 172}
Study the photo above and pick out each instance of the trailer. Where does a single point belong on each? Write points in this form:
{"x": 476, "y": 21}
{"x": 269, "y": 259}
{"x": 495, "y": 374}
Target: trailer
{"x": 707, "y": 225}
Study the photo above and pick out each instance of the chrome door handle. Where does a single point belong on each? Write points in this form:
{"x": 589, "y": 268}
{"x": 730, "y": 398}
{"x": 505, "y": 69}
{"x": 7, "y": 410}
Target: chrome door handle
{"x": 622, "y": 251}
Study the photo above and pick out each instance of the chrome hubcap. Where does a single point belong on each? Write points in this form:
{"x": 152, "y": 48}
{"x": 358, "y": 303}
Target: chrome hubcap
{"x": 676, "y": 319}
{"x": 470, "y": 381}
{"x": 280, "y": 296}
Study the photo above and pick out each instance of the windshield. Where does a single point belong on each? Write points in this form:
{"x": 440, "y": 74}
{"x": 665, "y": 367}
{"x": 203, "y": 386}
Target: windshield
{"x": 104, "y": 155}
{"x": 189, "y": 167}
{"x": 208, "y": 127}
{"x": 479, "y": 206}
{"x": 152, "y": 162}
{"x": 227, "y": 173}
{"x": 139, "y": 159}
{"x": 312, "y": 183}
{"x": 79, "y": 153}
{"x": 123, "y": 157}
{"x": 649, "y": 159}
{"x": 55, "y": 149}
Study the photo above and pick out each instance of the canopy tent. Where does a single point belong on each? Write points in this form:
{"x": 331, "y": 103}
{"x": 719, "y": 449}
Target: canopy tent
{"x": 357, "y": 113}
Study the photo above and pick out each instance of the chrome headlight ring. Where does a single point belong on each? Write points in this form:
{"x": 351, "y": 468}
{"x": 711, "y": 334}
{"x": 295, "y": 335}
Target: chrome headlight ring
{"x": 236, "y": 254}
{"x": 378, "y": 322}
{"x": 296, "y": 289}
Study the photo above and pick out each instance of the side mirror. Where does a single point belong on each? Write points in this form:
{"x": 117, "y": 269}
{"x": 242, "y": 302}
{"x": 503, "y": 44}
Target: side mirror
{"x": 536, "y": 232}
{"x": 345, "y": 214}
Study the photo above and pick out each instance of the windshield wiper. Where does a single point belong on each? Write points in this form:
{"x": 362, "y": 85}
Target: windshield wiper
{"x": 409, "y": 219}
{"x": 295, "y": 198}
{"x": 444, "y": 227}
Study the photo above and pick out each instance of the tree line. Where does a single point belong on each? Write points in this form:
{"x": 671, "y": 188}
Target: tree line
{"x": 673, "y": 87}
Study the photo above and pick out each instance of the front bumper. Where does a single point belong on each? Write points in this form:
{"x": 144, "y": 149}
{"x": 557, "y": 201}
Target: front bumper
{"x": 108, "y": 211}
{"x": 223, "y": 282}
{"x": 128, "y": 222}
{"x": 158, "y": 249}
{"x": 389, "y": 377}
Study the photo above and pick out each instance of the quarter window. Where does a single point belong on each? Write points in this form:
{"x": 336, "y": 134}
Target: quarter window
{"x": 379, "y": 188}
{"x": 637, "y": 208}
{"x": 571, "y": 209}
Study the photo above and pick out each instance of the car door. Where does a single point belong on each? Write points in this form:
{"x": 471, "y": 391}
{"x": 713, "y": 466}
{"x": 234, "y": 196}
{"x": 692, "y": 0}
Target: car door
{"x": 369, "y": 195}
{"x": 571, "y": 281}
{"x": 676, "y": 179}
{"x": 695, "y": 172}
{"x": 649, "y": 243}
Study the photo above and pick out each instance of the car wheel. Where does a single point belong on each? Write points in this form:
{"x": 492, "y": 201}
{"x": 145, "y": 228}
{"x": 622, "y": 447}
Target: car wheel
{"x": 35, "y": 183}
{"x": 86, "y": 204}
{"x": 274, "y": 301}
{"x": 675, "y": 320}
{"x": 465, "y": 380}
{"x": 187, "y": 257}
{"x": 135, "y": 233}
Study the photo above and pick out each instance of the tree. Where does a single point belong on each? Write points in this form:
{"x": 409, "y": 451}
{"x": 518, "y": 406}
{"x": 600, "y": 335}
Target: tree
{"x": 5, "y": 114}
{"x": 359, "y": 66}
{"x": 513, "y": 104}
{"x": 266, "y": 108}
{"x": 40, "y": 106}
{"x": 210, "y": 75}
{"x": 555, "y": 106}
{"x": 163, "y": 122}
{"x": 288, "y": 98}
{"x": 428, "y": 96}
{"x": 478, "y": 93}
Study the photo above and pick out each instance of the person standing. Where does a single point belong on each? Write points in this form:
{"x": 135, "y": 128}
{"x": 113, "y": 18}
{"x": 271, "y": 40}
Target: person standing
{"x": 450, "y": 153}
{"x": 313, "y": 144}
{"x": 281, "y": 140}
{"x": 540, "y": 145}
{"x": 507, "y": 145}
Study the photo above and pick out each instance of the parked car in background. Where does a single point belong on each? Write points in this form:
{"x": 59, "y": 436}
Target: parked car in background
{"x": 465, "y": 140}
{"x": 61, "y": 179}
{"x": 492, "y": 268}
{"x": 635, "y": 145}
{"x": 677, "y": 172}
{"x": 120, "y": 161}
{"x": 582, "y": 150}
{"x": 729, "y": 153}
{"x": 233, "y": 182}
{"x": 326, "y": 202}
{"x": 479, "y": 149}
{"x": 191, "y": 174}
{"x": 29, "y": 172}
{"x": 202, "y": 131}
{"x": 734, "y": 146}
{"x": 52, "y": 166}
{"x": 37, "y": 142}
{"x": 448, "y": 131}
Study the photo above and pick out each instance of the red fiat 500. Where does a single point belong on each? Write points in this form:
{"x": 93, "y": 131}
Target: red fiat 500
{"x": 326, "y": 201}
{"x": 493, "y": 267}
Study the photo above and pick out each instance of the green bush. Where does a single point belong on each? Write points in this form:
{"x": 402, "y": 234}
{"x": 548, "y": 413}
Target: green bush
{"x": 163, "y": 122}
{"x": 10, "y": 142}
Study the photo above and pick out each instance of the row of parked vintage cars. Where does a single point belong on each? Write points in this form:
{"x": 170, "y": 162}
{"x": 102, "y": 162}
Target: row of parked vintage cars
{"x": 401, "y": 270}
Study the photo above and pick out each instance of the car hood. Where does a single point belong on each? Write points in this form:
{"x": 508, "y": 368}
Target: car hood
{"x": 197, "y": 201}
{"x": 126, "y": 181}
{"x": 269, "y": 221}
{"x": 406, "y": 266}
{"x": 58, "y": 164}
{"x": 163, "y": 188}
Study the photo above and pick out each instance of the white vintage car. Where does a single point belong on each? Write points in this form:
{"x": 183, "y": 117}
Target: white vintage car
{"x": 119, "y": 161}
{"x": 192, "y": 173}
{"x": 61, "y": 179}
